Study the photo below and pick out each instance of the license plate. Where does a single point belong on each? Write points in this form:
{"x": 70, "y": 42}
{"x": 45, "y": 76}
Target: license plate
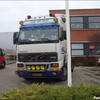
{"x": 54, "y": 73}
{"x": 37, "y": 74}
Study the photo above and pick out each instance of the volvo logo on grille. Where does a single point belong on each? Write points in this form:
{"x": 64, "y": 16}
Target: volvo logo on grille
{"x": 21, "y": 57}
{"x": 53, "y": 57}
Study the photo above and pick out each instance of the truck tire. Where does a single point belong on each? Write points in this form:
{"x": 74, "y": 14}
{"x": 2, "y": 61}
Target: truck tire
{"x": 63, "y": 76}
{"x": 3, "y": 65}
{"x": 27, "y": 78}
{"x": 72, "y": 70}
{"x": 72, "y": 65}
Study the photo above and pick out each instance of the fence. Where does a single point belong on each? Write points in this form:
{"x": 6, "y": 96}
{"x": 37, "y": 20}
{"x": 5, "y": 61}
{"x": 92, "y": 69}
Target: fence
{"x": 10, "y": 57}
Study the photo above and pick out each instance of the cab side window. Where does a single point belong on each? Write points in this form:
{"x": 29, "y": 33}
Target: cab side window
{"x": 1, "y": 54}
{"x": 61, "y": 35}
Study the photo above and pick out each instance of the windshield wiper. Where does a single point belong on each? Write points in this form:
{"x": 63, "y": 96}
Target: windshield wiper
{"x": 25, "y": 41}
{"x": 44, "y": 39}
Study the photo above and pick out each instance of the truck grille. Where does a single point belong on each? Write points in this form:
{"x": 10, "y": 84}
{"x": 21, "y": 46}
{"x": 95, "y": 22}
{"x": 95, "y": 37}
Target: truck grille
{"x": 37, "y": 57}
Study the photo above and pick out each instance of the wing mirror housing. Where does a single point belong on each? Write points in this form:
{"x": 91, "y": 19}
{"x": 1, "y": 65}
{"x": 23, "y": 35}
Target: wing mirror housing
{"x": 15, "y": 37}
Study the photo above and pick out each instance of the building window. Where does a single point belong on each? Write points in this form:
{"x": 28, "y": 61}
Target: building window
{"x": 94, "y": 22}
{"x": 77, "y": 52}
{"x": 77, "y": 49}
{"x": 76, "y": 22}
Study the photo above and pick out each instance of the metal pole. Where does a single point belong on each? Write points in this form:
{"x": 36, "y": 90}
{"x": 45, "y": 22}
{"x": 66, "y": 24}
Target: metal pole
{"x": 68, "y": 43}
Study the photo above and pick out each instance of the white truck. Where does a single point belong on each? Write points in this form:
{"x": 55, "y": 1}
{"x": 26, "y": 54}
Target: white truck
{"x": 41, "y": 48}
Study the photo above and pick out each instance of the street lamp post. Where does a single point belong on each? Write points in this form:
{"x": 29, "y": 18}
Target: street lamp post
{"x": 68, "y": 43}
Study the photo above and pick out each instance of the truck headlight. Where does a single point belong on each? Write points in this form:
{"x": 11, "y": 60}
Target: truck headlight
{"x": 21, "y": 57}
{"x": 20, "y": 65}
{"x": 55, "y": 65}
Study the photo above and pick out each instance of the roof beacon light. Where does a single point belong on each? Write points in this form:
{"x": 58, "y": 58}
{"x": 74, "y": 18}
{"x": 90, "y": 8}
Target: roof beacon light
{"x": 28, "y": 17}
{"x": 53, "y": 14}
{"x": 21, "y": 22}
{"x": 50, "y": 15}
{"x": 56, "y": 19}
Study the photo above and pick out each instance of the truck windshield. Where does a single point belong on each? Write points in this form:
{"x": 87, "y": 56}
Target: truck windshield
{"x": 38, "y": 36}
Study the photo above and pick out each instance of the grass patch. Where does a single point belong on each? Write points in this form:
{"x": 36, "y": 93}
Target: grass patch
{"x": 53, "y": 92}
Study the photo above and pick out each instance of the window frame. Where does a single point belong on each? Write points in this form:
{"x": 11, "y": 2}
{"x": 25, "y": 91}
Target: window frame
{"x": 89, "y": 22}
{"x": 85, "y": 22}
{"x": 77, "y": 49}
{"x": 77, "y": 23}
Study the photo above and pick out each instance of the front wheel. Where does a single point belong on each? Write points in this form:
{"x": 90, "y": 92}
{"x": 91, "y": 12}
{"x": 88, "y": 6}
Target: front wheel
{"x": 63, "y": 75}
{"x": 27, "y": 78}
{"x": 3, "y": 65}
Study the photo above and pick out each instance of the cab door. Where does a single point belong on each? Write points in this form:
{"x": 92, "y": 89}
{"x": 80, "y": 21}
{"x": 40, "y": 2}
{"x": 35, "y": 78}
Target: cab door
{"x": 2, "y": 58}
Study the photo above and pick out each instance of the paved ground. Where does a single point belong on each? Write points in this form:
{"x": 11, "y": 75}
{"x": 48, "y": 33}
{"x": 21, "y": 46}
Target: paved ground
{"x": 9, "y": 80}
{"x": 83, "y": 75}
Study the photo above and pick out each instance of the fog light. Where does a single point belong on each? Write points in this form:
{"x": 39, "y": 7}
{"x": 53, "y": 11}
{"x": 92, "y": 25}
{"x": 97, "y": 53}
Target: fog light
{"x": 37, "y": 68}
{"x": 42, "y": 67}
{"x": 28, "y": 67}
{"x": 33, "y": 67}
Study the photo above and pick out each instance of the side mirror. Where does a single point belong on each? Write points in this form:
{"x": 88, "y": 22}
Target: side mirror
{"x": 15, "y": 37}
{"x": 2, "y": 53}
{"x": 61, "y": 38}
{"x": 64, "y": 20}
{"x": 64, "y": 33}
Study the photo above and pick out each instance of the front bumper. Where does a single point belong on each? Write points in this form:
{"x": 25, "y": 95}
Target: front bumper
{"x": 46, "y": 74}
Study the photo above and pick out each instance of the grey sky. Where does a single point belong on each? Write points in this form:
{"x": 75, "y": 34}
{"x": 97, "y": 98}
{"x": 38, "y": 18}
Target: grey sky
{"x": 6, "y": 40}
{"x": 11, "y": 12}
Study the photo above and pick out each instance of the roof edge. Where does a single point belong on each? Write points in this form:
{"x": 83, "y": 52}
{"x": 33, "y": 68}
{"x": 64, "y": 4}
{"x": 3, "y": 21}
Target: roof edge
{"x": 77, "y": 9}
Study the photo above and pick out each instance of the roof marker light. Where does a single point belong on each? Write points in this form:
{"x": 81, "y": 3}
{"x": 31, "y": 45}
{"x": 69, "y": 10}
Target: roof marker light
{"x": 53, "y": 14}
{"x": 50, "y": 15}
{"x": 56, "y": 19}
{"x": 21, "y": 22}
{"x": 28, "y": 17}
